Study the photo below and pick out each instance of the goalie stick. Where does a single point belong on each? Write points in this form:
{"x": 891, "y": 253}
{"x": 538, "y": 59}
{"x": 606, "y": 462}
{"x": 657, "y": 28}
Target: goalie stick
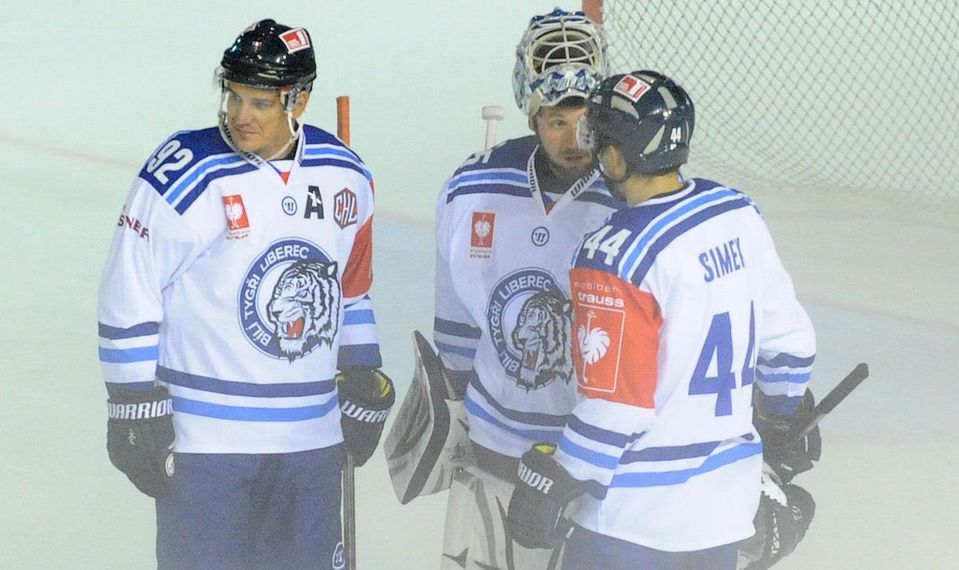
{"x": 349, "y": 480}
{"x": 832, "y": 399}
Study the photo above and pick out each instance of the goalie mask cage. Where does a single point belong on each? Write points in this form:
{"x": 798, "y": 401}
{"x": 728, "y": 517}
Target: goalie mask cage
{"x": 852, "y": 97}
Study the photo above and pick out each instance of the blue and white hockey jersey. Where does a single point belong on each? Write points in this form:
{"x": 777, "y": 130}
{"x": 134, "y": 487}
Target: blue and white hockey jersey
{"x": 242, "y": 287}
{"x": 502, "y": 319}
{"x": 681, "y": 305}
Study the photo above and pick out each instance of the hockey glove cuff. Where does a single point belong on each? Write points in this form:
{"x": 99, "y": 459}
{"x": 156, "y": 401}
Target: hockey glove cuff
{"x": 787, "y": 452}
{"x": 140, "y": 438}
{"x": 366, "y": 396}
{"x": 543, "y": 489}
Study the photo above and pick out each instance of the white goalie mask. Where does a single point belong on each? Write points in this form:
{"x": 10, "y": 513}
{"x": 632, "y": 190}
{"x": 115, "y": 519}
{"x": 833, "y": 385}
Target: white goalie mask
{"x": 562, "y": 54}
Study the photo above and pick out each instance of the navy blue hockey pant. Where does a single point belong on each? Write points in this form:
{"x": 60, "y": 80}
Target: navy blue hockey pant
{"x": 587, "y": 550}
{"x": 241, "y": 511}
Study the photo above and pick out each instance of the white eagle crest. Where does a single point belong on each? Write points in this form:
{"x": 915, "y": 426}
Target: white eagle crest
{"x": 593, "y": 342}
{"x": 482, "y": 228}
{"x": 234, "y": 211}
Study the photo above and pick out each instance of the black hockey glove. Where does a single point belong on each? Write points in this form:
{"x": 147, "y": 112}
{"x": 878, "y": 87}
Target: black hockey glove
{"x": 543, "y": 489}
{"x": 784, "y": 514}
{"x": 140, "y": 438}
{"x": 788, "y": 453}
{"x": 366, "y": 396}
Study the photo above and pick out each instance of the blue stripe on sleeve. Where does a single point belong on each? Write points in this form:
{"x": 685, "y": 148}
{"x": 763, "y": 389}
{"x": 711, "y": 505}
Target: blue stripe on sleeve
{"x": 126, "y": 355}
{"x": 359, "y": 317}
{"x": 533, "y": 418}
{"x": 338, "y": 163}
{"x": 359, "y": 355}
{"x": 454, "y": 328}
{"x": 677, "y": 477}
{"x": 232, "y": 388}
{"x": 639, "y": 272}
{"x": 669, "y": 453}
{"x": 116, "y": 388}
{"x": 502, "y": 189}
{"x": 588, "y": 455}
{"x": 779, "y": 405}
{"x": 653, "y": 232}
{"x": 204, "y": 166}
{"x": 460, "y": 350}
{"x": 489, "y": 176}
{"x": 601, "y": 435}
{"x": 533, "y": 435}
{"x": 219, "y": 411}
{"x": 187, "y": 201}
{"x": 141, "y": 329}
{"x": 787, "y": 360}
{"x": 801, "y": 378}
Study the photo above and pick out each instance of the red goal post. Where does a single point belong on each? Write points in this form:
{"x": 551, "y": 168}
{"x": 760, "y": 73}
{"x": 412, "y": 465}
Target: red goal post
{"x": 839, "y": 96}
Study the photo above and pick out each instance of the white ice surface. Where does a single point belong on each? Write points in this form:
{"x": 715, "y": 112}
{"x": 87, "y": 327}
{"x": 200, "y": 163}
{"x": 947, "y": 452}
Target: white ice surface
{"x": 90, "y": 88}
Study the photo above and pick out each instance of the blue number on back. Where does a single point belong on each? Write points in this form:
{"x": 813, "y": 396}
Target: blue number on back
{"x": 719, "y": 347}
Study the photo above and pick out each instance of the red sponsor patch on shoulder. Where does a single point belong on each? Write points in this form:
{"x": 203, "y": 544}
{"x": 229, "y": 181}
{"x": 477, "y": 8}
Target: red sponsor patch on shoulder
{"x": 482, "y": 227}
{"x": 237, "y": 221}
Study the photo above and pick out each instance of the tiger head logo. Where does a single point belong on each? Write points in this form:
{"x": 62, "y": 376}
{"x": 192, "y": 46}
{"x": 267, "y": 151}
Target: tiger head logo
{"x": 542, "y": 334}
{"x": 305, "y": 308}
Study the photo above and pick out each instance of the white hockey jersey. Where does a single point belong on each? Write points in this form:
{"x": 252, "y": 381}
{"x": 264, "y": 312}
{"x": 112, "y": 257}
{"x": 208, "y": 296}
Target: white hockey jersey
{"x": 502, "y": 319}
{"x": 681, "y": 305}
{"x": 242, "y": 288}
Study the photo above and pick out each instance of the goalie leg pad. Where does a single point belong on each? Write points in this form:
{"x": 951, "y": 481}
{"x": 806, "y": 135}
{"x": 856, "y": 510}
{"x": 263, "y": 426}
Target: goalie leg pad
{"x": 428, "y": 442}
{"x": 475, "y": 535}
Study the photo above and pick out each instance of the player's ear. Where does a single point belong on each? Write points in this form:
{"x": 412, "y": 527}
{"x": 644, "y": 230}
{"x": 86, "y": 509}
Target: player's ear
{"x": 300, "y": 106}
{"x": 532, "y": 122}
{"x": 613, "y": 160}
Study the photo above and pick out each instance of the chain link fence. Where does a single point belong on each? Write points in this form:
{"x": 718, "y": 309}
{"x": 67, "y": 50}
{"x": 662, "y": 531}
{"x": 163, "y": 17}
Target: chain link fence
{"x": 851, "y": 96}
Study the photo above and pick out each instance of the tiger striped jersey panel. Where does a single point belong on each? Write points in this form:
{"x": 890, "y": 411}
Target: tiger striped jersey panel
{"x": 502, "y": 319}
{"x": 242, "y": 287}
{"x": 680, "y": 306}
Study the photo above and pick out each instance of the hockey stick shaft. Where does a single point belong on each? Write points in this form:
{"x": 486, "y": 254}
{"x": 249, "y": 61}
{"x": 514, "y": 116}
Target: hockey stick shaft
{"x": 343, "y": 118}
{"x": 492, "y": 114}
{"x": 836, "y": 395}
{"x": 349, "y": 481}
{"x": 349, "y": 512}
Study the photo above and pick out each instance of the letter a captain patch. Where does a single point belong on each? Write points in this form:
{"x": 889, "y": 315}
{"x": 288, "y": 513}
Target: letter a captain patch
{"x": 237, "y": 222}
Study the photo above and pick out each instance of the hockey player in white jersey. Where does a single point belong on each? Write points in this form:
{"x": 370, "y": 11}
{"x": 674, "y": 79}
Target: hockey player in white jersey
{"x": 235, "y": 323}
{"x": 508, "y": 221}
{"x": 681, "y": 309}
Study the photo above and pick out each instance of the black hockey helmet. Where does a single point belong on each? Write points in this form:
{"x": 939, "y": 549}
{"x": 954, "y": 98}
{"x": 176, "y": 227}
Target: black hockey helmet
{"x": 270, "y": 55}
{"x": 647, "y": 115}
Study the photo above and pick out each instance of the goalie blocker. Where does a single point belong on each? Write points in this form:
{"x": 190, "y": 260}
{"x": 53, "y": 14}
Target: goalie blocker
{"x": 429, "y": 440}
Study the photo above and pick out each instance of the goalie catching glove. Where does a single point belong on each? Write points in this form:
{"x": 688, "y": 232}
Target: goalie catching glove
{"x": 543, "y": 489}
{"x": 140, "y": 438}
{"x": 366, "y": 396}
{"x": 787, "y": 452}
